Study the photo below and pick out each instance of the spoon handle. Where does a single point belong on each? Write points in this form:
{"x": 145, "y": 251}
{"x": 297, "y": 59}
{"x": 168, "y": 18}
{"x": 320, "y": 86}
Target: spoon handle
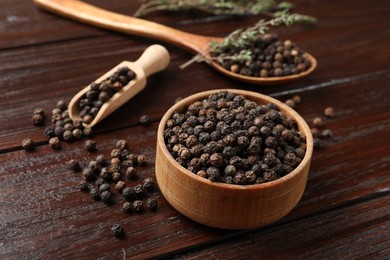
{"x": 93, "y": 15}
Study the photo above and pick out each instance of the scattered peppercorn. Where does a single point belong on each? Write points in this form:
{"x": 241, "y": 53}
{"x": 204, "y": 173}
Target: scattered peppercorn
{"x": 149, "y": 184}
{"x": 326, "y": 133}
{"x": 74, "y": 165}
{"x": 329, "y": 112}
{"x": 38, "y": 119}
{"x": 317, "y": 122}
{"x": 138, "y": 206}
{"x": 83, "y": 186}
{"x": 152, "y": 204}
{"x": 141, "y": 160}
{"x": 120, "y": 186}
{"x": 144, "y": 120}
{"x": 128, "y": 193}
{"x": 106, "y": 196}
{"x": 121, "y": 144}
{"x": 90, "y": 145}
{"x": 95, "y": 194}
{"x": 139, "y": 190}
{"x": 117, "y": 231}
{"x": 316, "y": 143}
{"x": 290, "y": 103}
{"x": 315, "y": 132}
{"x": 127, "y": 207}
{"x": 297, "y": 99}
{"x": 28, "y": 144}
{"x": 55, "y": 143}
{"x": 131, "y": 173}
{"x": 104, "y": 187}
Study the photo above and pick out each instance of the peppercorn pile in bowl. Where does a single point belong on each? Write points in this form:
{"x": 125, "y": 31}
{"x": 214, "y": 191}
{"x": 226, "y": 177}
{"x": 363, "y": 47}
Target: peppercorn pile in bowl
{"x": 232, "y": 158}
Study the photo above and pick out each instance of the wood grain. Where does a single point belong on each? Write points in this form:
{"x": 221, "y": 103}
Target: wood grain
{"x": 45, "y": 58}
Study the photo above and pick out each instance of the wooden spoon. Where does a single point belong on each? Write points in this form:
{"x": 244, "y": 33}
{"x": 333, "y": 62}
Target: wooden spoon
{"x": 154, "y": 59}
{"x": 194, "y": 43}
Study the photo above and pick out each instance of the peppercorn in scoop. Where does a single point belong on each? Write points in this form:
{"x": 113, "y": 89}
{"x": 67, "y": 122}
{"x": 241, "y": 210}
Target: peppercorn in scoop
{"x": 99, "y": 93}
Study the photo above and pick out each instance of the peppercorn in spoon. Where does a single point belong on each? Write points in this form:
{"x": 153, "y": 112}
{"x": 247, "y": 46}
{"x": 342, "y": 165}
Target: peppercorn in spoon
{"x": 99, "y": 99}
{"x": 194, "y": 43}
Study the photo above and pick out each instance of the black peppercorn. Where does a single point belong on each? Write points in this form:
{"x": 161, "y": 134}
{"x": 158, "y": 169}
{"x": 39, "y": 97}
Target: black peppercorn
{"x": 131, "y": 173}
{"x": 329, "y": 112}
{"x": 90, "y": 145}
{"x": 127, "y": 207}
{"x": 77, "y": 133}
{"x": 152, "y": 204}
{"x": 49, "y": 132}
{"x": 116, "y": 153}
{"x": 239, "y": 178}
{"x": 230, "y": 170}
{"x": 55, "y": 143}
{"x": 95, "y": 194}
{"x": 88, "y": 174}
{"x": 28, "y": 144}
{"x": 144, "y": 120}
{"x": 202, "y": 173}
{"x": 120, "y": 186}
{"x": 39, "y": 111}
{"x": 327, "y": 133}
{"x": 104, "y": 187}
{"x": 117, "y": 231}
{"x": 317, "y": 122}
{"x": 38, "y": 119}
{"x": 141, "y": 160}
{"x": 149, "y": 184}
{"x": 216, "y": 159}
{"x": 139, "y": 190}
{"x": 128, "y": 193}
{"x": 61, "y": 104}
{"x": 250, "y": 177}
{"x": 68, "y": 135}
{"x": 74, "y": 165}
{"x": 138, "y": 206}
{"x": 213, "y": 174}
{"x": 270, "y": 175}
{"x": 106, "y": 196}
{"x": 87, "y": 132}
{"x": 83, "y": 186}
{"x": 121, "y": 145}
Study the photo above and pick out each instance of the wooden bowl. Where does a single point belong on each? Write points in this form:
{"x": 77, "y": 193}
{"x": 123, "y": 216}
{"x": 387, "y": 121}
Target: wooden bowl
{"x": 224, "y": 205}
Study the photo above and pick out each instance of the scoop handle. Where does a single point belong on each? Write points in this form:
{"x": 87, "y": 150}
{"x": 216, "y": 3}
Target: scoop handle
{"x": 99, "y": 17}
{"x": 154, "y": 59}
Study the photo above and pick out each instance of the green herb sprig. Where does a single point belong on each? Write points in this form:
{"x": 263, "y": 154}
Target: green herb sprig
{"x": 215, "y": 7}
{"x": 243, "y": 39}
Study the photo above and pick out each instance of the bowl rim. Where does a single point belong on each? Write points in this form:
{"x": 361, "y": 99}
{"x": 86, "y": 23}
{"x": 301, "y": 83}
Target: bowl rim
{"x": 302, "y": 125}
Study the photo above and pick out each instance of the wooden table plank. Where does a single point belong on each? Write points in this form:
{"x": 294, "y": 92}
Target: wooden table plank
{"x": 354, "y": 231}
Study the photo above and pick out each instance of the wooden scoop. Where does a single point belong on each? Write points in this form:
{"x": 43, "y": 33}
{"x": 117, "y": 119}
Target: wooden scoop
{"x": 194, "y": 43}
{"x": 154, "y": 59}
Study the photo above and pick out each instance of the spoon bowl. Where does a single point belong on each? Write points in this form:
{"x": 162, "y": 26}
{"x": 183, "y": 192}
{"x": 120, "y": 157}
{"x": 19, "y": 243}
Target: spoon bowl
{"x": 155, "y": 58}
{"x": 197, "y": 44}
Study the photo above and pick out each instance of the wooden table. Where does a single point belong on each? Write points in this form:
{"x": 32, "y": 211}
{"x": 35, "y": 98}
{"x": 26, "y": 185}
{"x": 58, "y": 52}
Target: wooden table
{"x": 344, "y": 212}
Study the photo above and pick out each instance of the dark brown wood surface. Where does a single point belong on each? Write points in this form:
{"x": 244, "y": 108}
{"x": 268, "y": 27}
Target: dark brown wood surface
{"x": 344, "y": 212}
